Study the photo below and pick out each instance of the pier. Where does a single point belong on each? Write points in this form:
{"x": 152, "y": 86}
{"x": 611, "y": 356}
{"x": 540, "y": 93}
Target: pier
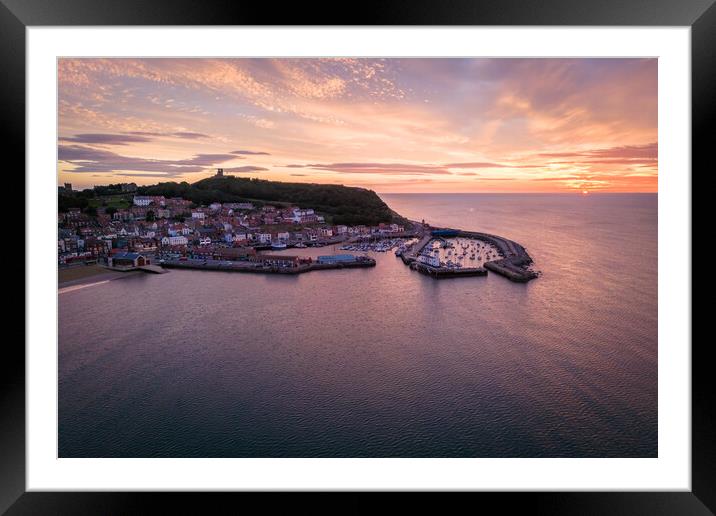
{"x": 153, "y": 269}
{"x": 514, "y": 262}
{"x": 258, "y": 267}
{"x": 410, "y": 255}
{"x": 444, "y": 272}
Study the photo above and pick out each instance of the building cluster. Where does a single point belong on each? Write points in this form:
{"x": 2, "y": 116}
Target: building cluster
{"x": 175, "y": 227}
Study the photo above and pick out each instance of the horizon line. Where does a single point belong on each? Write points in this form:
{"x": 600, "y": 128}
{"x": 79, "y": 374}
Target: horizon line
{"x": 575, "y": 192}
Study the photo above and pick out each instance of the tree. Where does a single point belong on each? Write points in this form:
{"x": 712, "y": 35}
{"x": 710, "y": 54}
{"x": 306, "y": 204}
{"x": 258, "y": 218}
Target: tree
{"x": 65, "y": 202}
{"x": 150, "y": 216}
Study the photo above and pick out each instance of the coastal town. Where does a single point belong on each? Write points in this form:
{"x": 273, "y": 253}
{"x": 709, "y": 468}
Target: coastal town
{"x": 154, "y": 233}
{"x": 156, "y": 229}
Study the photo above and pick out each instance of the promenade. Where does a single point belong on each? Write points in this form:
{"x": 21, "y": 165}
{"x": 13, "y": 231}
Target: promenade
{"x": 251, "y": 267}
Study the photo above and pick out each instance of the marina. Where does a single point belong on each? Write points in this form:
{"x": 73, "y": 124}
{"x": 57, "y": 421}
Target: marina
{"x": 380, "y": 245}
{"x": 450, "y": 253}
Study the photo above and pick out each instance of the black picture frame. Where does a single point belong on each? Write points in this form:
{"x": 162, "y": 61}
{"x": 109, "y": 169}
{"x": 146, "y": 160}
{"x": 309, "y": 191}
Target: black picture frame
{"x": 17, "y": 15}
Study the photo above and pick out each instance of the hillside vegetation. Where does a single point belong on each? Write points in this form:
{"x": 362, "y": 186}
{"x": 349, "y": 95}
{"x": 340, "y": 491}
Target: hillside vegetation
{"x": 340, "y": 204}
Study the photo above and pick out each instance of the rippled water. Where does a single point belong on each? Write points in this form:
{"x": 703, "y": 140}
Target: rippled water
{"x": 382, "y": 362}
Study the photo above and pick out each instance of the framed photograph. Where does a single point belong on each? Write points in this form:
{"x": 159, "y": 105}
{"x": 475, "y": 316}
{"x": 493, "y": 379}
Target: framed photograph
{"x": 439, "y": 250}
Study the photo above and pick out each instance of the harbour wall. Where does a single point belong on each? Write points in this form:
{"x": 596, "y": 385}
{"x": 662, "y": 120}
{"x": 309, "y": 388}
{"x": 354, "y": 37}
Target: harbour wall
{"x": 515, "y": 259}
{"x": 251, "y": 268}
{"x": 444, "y": 273}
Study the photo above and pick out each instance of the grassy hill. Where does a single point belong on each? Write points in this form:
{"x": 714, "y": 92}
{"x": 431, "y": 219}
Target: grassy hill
{"x": 340, "y": 204}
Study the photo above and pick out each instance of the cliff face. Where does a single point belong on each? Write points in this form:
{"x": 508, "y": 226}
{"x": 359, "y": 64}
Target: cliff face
{"x": 340, "y": 204}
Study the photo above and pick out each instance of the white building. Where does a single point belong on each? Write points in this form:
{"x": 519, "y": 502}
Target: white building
{"x": 300, "y": 215}
{"x": 428, "y": 259}
{"x": 197, "y": 215}
{"x": 239, "y": 205}
{"x": 146, "y": 200}
{"x": 175, "y": 240}
{"x": 142, "y": 200}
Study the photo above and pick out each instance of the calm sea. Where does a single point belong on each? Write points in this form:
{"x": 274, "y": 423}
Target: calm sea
{"x": 382, "y": 362}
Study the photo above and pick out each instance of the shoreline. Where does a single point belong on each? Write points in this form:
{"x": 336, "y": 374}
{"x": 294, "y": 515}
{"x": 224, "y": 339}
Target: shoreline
{"x": 513, "y": 264}
{"x": 98, "y": 275}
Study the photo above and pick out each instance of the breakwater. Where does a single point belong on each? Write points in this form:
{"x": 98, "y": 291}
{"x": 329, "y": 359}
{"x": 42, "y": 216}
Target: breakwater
{"x": 239, "y": 266}
{"x": 515, "y": 259}
{"x": 444, "y": 272}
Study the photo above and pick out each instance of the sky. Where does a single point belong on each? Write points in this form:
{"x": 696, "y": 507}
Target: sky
{"x": 391, "y": 125}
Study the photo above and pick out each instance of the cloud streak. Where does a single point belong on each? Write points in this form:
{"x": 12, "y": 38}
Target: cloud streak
{"x": 401, "y": 168}
{"x": 129, "y": 137}
{"x": 649, "y": 151}
{"x": 87, "y": 159}
{"x": 375, "y": 168}
{"x": 244, "y": 169}
{"x": 105, "y": 139}
{"x": 250, "y": 153}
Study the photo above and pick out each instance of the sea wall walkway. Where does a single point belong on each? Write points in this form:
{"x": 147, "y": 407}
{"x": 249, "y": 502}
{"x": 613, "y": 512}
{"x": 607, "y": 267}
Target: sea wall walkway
{"x": 239, "y": 266}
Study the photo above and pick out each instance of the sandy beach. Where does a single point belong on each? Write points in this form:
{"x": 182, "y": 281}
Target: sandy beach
{"x": 86, "y": 275}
